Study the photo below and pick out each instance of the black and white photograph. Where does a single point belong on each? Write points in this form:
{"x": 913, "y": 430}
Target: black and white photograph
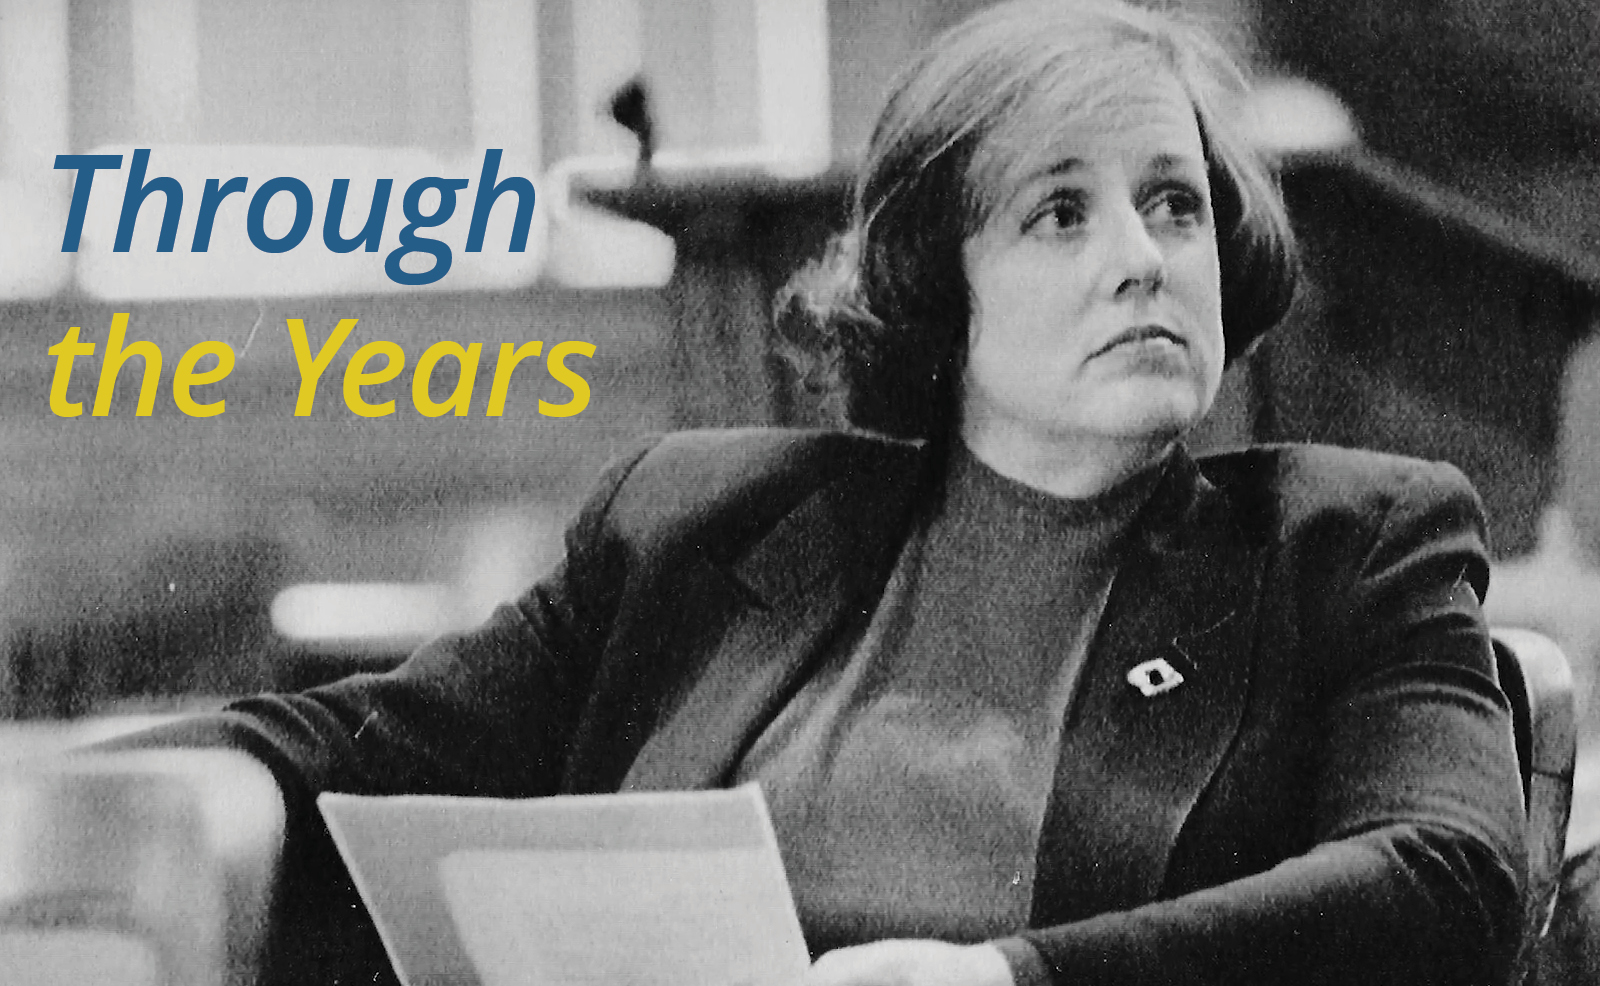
{"x": 799, "y": 492}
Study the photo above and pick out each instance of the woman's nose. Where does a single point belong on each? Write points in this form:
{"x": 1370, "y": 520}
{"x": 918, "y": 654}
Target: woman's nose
{"x": 1139, "y": 265}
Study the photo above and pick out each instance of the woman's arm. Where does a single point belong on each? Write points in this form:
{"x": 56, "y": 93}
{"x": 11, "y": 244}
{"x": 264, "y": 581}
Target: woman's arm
{"x": 1416, "y": 872}
{"x": 485, "y": 712}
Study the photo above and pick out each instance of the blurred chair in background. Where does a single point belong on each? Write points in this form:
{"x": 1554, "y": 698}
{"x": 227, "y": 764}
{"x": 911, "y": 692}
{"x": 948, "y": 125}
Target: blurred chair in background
{"x": 1555, "y": 588}
{"x": 153, "y": 868}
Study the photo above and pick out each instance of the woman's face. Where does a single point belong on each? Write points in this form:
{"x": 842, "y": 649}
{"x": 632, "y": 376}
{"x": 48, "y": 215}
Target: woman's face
{"x": 1097, "y": 310}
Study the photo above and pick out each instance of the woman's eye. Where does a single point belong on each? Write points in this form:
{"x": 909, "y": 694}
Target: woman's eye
{"x": 1176, "y": 206}
{"x": 1061, "y": 212}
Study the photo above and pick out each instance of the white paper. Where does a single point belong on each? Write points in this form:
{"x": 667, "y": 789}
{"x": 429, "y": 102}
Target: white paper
{"x": 648, "y": 889}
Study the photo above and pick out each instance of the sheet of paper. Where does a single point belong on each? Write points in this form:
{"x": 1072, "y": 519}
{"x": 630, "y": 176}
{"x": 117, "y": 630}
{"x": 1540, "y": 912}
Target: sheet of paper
{"x": 655, "y": 889}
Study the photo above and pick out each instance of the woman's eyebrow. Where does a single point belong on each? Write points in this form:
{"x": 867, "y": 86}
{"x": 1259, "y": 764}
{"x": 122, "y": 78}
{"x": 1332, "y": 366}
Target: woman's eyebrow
{"x": 1030, "y": 180}
{"x": 1062, "y": 167}
{"x": 1166, "y": 164}
{"x": 1026, "y": 186}
{"x": 1161, "y": 164}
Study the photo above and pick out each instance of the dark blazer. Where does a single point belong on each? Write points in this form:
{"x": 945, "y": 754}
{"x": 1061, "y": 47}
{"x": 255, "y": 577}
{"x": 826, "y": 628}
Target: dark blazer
{"x": 1330, "y": 796}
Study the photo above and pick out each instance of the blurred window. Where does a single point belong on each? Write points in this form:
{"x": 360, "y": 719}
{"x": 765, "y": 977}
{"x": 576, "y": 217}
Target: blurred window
{"x": 374, "y": 73}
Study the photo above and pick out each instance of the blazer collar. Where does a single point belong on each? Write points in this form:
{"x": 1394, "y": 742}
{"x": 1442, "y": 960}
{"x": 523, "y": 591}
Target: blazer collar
{"x": 827, "y": 540}
{"x": 794, "y": 589}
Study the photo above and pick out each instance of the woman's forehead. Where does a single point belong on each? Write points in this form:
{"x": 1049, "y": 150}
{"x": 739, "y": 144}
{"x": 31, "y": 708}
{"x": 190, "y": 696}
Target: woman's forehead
{"x": 1148, "y": 115}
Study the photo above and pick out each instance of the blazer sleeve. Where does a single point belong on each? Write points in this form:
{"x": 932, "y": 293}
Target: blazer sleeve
{"x": 1418, "y": 859}
{"x": 485, "y": 713}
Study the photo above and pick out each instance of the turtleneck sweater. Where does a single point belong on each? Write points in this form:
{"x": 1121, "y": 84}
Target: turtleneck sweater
{"x": 908, "y": 777}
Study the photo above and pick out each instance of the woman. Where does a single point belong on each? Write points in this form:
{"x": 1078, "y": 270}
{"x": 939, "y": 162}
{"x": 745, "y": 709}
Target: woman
{"x": 1034, "y": 696}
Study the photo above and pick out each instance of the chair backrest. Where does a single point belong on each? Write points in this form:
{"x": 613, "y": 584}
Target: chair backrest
{"x": 1537, "y": 680}
{"x": 134, "y": 868}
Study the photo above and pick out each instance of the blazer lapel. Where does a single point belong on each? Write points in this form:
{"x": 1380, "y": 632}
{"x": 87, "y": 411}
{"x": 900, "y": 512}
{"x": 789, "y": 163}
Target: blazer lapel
{"x": 812, "y": 575}
{"x": 1132, "y": 765}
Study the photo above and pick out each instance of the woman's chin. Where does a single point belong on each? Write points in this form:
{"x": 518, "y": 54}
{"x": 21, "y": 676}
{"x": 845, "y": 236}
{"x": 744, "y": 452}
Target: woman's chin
{"x": 1159, "y": 417}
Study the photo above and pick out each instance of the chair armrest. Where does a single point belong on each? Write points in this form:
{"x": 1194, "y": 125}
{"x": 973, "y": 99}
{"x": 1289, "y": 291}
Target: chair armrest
{"x": 1538, "y": 683}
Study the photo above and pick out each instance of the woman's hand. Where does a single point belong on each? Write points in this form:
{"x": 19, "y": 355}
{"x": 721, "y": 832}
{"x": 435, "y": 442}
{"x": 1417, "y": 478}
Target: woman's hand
{"x": 911, "y": 962}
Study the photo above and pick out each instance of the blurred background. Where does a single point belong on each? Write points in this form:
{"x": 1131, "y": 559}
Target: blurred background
{"x": 1440, "y": 157}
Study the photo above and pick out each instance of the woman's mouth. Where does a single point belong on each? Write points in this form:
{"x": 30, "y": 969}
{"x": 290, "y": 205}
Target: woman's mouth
{"x": 1154, "y": 336}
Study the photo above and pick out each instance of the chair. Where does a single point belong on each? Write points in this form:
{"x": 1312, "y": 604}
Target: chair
{"x": 137, "y": 867}
{"x": 1535, "y": 676}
